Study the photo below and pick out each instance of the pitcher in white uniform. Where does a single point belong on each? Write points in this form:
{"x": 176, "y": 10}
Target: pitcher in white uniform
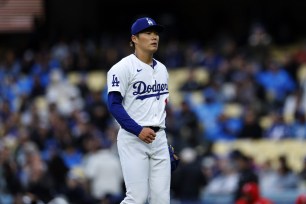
{"x": 137, "y": 98}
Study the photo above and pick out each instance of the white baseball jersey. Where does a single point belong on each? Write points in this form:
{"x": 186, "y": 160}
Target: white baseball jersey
{"x": 144, "y": 89}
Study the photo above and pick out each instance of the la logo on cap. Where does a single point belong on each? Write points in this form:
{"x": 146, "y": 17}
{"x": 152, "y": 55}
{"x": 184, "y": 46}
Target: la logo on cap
{"x": 149, "y": 21}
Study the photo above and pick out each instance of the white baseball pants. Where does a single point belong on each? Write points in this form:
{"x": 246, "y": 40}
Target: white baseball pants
{"x": 145, "y": 167}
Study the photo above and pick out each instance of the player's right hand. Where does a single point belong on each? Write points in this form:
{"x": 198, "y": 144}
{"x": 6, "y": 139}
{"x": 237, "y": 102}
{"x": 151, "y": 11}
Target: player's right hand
{"x": 147, "y": 135}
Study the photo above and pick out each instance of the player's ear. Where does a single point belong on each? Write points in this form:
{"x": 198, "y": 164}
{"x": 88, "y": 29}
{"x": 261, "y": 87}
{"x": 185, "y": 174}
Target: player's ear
{"x": 133, "y": 38}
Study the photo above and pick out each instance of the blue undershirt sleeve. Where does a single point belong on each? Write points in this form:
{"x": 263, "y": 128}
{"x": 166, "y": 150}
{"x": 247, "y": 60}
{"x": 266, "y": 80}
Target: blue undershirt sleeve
{"x": 120, "y": 114}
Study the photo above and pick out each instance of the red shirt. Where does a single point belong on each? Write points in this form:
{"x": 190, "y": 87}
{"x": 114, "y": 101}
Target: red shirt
{"x": 258, "y": 201}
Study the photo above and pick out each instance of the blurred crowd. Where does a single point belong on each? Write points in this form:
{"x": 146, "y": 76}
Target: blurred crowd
{"x": 58, "y": 140}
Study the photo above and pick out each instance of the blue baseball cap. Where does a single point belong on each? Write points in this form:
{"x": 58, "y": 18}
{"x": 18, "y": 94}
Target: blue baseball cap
{"x": 143, "y": 23}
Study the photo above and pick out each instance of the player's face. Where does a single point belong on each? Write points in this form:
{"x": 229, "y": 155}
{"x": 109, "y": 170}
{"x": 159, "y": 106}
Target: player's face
{"x": 147, "y": 41}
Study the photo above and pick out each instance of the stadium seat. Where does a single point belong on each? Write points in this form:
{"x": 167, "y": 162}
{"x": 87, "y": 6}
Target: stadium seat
{"x": 264, "y": 149}
{"x": 96, "y": 80}
{"x": 233, "y": 110}
{"x": 265, "y": 122}
{"x": 41, "y": 103}
{"x": 178, "y": 77}
{"x": 301, "y": 73}
{"x": 74, "y": 77}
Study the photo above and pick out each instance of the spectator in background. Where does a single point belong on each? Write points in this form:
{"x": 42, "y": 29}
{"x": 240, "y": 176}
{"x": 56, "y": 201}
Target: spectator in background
{"x": 279, "y": 129}
{"x": 267, "y": 176}
{"x": 60, "y": 131}
{"x": 301, "y": 199}
{"x": 283, "y": 179}
{"x": 225, "y": 182}
{"x": 82, "y": 60}
{"x": 191, "y": 83}
{"x": 42, "y": 137}
{"x": 59, "y": 200}
{"x": 210, "y": 59}
{"x": 71, "y": 155}
{"x": 60, "y": 50}
{"x": 245, "y": 170}
{"x": 5, "y": 110}
{"x": 7, "y": 90}
{"x": 302, "y": 103}
{"x": 297, "y": 128}
{"x": 294, "y": 104}
{"x": 23, "y": 147}
{"x": 209, "y": 111}
{"x": 188, "y": 125}
{"x": 76, "y": 189}
{"x": 102, "y": 169}
{"x": 209, "y": 159}
{"x": 37, "y": 183}
{"x": 193, "y": 54}
{"x": 27, "y": 61}
{"x": 98, "y": 112}
{"x": 277, "y": 83}
{"x": 10, "y": 184}
{"x": 58, "y": 171}
{"x": 302, "y": 176}
{"x": 83, "y": 87}
{"x": 188, "y": 180}
{"x": 43, "y": 65}
{"x": 11, "y": 65}
{"x": 251, "y": 195}
{"x": 37, "y": 88}
{"x": 286, "y": 179}
{"x": 229, "y": 127}
{"x": 173, "y": 128}
{"x": 251, "y": 128}
{"x": 65, "y": 95}
{"x": 247, "y": 92}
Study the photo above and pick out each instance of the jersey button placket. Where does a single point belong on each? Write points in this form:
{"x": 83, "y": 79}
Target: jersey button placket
{"x": 154, "y": 79}
{"x": 155, "y": 100}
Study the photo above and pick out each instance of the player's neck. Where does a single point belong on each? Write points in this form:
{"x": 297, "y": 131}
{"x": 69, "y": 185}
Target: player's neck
{"x": 144, "y": 57}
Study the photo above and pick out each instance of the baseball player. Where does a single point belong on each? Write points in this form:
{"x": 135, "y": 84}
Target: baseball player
{"x": 137, "y": 98}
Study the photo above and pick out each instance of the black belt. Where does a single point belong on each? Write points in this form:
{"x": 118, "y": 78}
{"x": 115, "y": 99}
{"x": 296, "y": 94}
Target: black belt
{"x": 154, "y": 128}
